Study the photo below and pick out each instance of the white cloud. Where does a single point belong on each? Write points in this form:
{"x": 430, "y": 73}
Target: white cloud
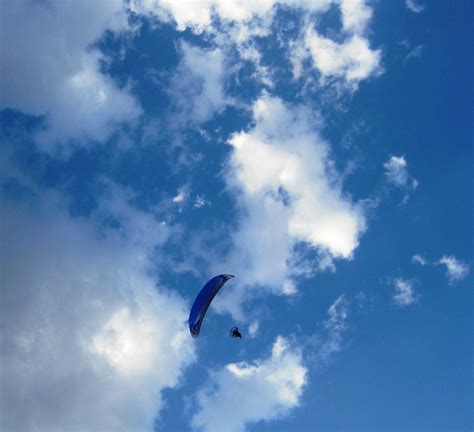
{"x": 355, "y": 15}
{"x": 253, "y": 329}
{"x": 351, "y": 60}
{"x": 336, "y": 325}
{"x": 241, "y": 21}
{"x": 198, "y": 14}
{"x": 198, "y": 84}
{"x": 179, "y": 198}
{"x": 418, "y": 259}
{"x": 456, "y": 270}
{"x": 88, "y": 340}
{"x": 49, "y": 68}
{"x": 289, "y": 194}
{"x": 200, "y": 201}
{"x": 397, "y": 173}
{"x": 244, "y": 393}
{"x": 414, "y": 6}
{"x": 232, "y": 24}
{"x": 249, "y": 53}
{"x": 404, "y": 292}
{"x": 416, "y": 52}
{"x": 288, "y": 288}
{"x": 337, "y": 313}
{"x": 181, "y": 195}
{"x": 141, "y": 230}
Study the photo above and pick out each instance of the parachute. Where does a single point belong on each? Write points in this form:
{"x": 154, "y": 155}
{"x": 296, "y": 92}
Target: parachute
{"x": 203, "y": 300}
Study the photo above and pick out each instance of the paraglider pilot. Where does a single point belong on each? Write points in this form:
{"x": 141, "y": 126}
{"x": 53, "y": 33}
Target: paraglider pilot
{"x": 234, "y": 332}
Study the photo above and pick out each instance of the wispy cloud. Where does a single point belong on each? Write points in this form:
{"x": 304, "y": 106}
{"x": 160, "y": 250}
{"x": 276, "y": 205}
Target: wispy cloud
{"x": 243, "y": 393}
{"x": 416, "y": 52}
{"x": 418, "y": 259}
{"x": 179, "y": 198}
{"x": 200, "y": 201}
{"x": 396, "y": 172}
{"x": 456, "y": 270}
{"x": 414, "y": 6}
{"x": 335, "y": 325}
{"x": 404, "y": 292}
{"x": 181, "y": 195}
{"x": 197, "y": 87}
{"x": 253, "y": 329}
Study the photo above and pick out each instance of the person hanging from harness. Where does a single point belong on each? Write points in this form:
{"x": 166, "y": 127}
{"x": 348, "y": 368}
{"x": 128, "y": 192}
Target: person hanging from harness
{"x": 234, "y": 332}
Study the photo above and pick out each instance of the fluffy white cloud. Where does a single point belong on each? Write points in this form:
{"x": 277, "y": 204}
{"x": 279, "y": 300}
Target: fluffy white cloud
{"x": 396, "y": 171}
{"x": 456, "y": 270}
{"x": 241, "y": 21}
{"x": 50, "y": 69}
{"x": 351, "y": 60}
{"x": 414, "y": 6}
{"x": 404, "y": 292}
{"x": 243, "y": 393}
{"x": 289, "y": 194}
{"x": 88, "y": 340}
{"x": 397, "y": 174}
{"x": 198, "y": 14}
{"x": 355, "y": 15}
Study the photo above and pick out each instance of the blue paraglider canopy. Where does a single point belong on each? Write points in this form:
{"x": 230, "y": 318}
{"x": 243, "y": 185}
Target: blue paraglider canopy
{"x": 203, "y": 300}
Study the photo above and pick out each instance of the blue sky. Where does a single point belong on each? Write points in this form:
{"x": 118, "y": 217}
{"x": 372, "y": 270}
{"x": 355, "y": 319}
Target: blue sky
{"x": 320, "y": 151}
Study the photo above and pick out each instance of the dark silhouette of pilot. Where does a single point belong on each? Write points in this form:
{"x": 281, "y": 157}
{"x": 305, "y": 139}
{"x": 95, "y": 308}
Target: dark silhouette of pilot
{"x": 235, "y": 332}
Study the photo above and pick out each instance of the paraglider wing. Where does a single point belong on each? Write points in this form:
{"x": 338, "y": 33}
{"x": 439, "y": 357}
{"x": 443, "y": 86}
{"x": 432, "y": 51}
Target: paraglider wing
{"x": 203, "y": 300}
